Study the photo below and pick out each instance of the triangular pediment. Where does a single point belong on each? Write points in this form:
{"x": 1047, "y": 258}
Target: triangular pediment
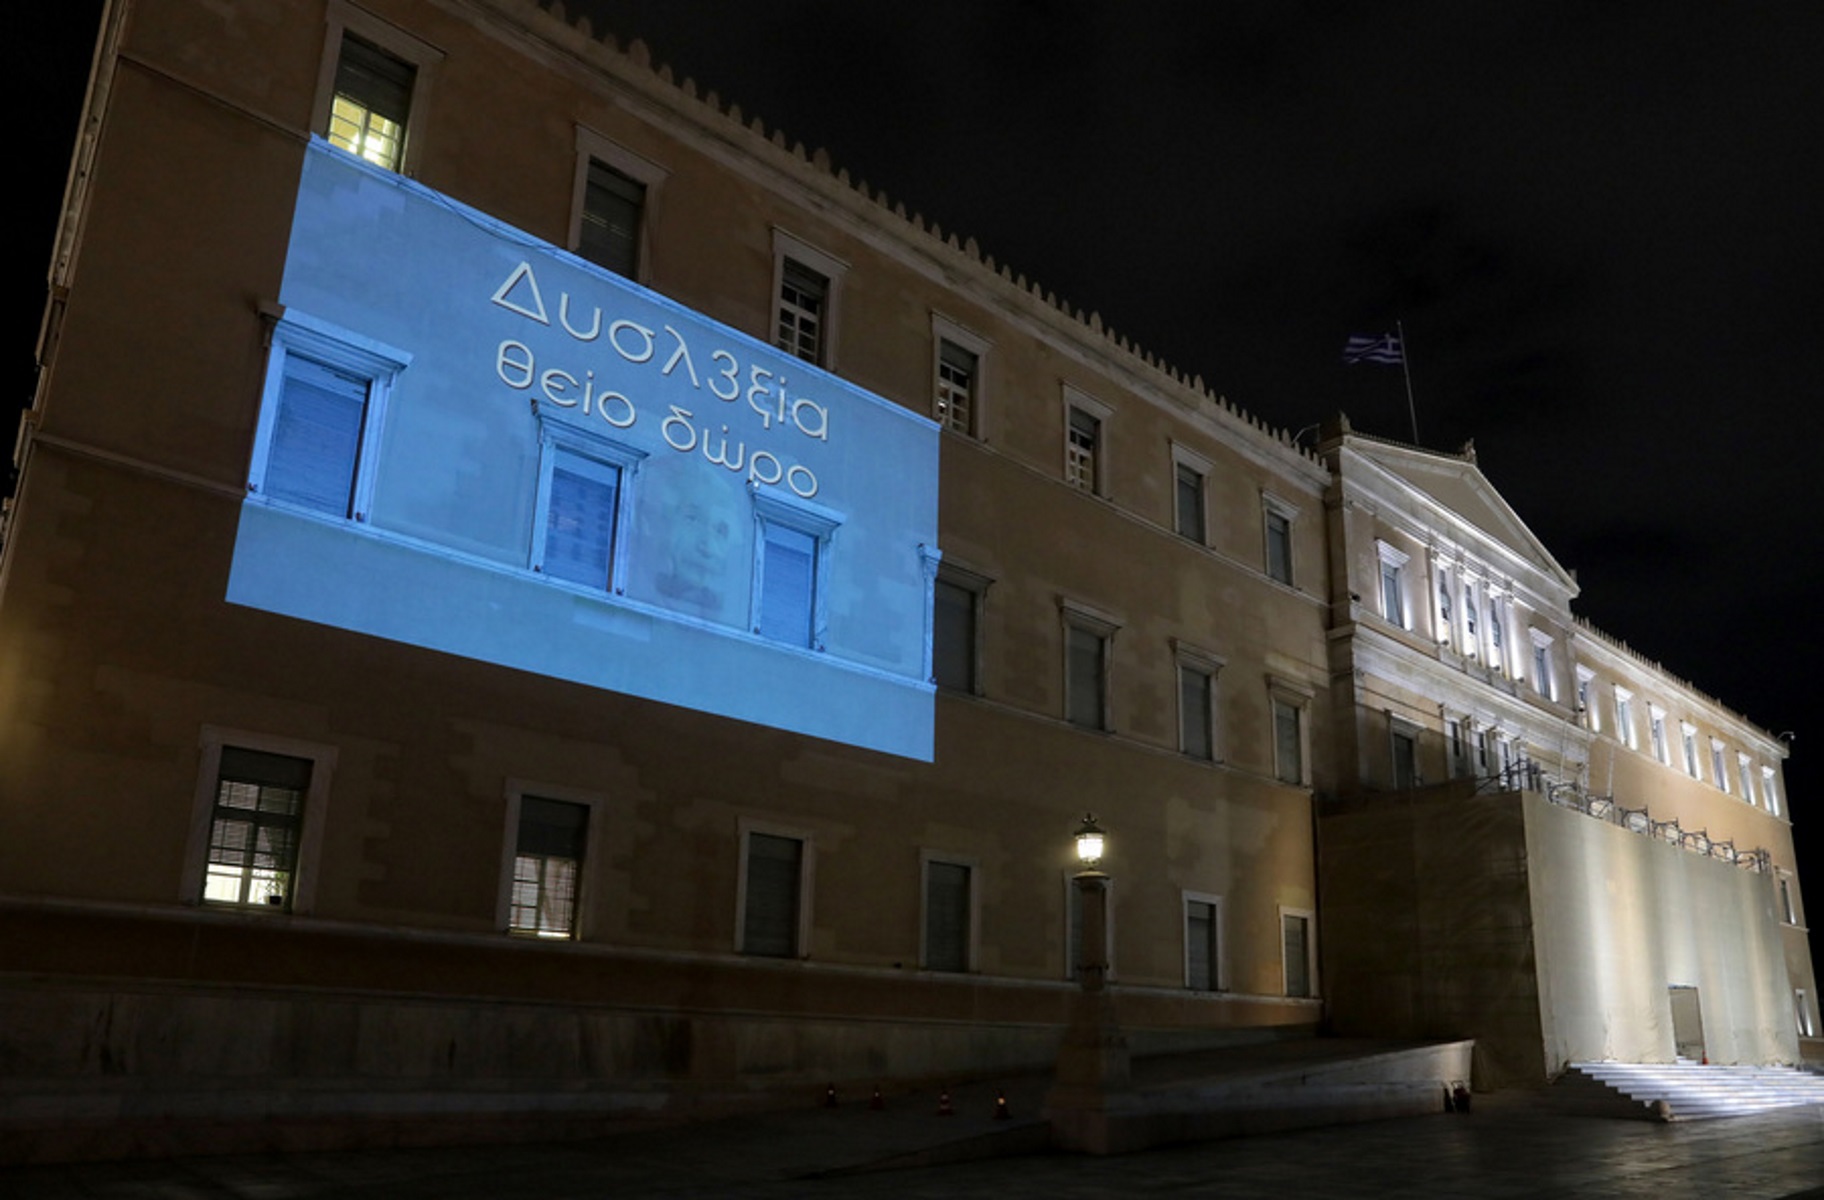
{"x": 1453, "y": 483}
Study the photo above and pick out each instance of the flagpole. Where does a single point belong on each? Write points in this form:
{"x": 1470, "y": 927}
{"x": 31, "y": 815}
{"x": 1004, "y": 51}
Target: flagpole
{"x": 1406, "y": 369}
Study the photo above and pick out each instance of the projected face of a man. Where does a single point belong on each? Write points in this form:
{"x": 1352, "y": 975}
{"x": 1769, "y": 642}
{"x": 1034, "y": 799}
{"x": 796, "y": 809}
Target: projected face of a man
{"x": 696, "y": 525}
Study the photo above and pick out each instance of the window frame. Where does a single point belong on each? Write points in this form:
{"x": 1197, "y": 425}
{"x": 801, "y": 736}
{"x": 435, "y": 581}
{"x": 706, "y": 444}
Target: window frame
{"x": 595, "y": 147}
{"x": 1096, "y": 484}
{"x": 820, "y": 525}
{"x": 1218, "y": 951}
{"x": 1586, "y": 698}
{"x": 1081, "y": 618}
{"x": 1627, "y": 731}
{"x": 1186, "y": 657}
{"x": 1398, "y": 729}
{"x": 1770, "y": 792}
{"x": 1687, "y": 737}
{"x": 746, "y": 828}
{"x": 1391, "y": 584}
{"x": 304, "y": 873}
{"x": 1273, "y": 508}
{"x": 788, "y": 247}
{"x": 946, "y": 331}
{"x": 517, "y": 791}
{"x": 1657, "y": 736}
{"x": 1744, "y": 769}
{"x": 344, "y": 18}
{"x": 1309, "y": 917}
{"x": 557, "y": 440}
{"x": 975, "y": 585}
{"x": 1296, "y": 698}
{"x": 1544, "y": 670}
{"x": 1193, "y": 527}
{"x": 972, "y": 917}
{"x": 298, "y": 335}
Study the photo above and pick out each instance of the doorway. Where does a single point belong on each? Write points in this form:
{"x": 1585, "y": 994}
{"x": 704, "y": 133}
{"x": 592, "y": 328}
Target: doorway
{"x": 1687, "y": 1022}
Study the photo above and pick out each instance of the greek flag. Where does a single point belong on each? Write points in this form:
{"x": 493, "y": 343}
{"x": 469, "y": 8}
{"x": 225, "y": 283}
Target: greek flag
{"x": 1372, "y": 348}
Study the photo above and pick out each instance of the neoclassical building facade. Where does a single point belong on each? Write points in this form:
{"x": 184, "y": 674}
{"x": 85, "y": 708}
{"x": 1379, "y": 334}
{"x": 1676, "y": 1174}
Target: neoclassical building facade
{"x": 522, "y": 577}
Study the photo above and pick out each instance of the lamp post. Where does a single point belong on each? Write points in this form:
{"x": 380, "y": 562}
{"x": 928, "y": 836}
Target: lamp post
{"x": 1093, "y": 1069}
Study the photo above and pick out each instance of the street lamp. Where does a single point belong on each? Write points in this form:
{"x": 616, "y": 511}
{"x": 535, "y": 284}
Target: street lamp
{"x": 1093, "y": 1080}
{"x": 1089, "y": 841}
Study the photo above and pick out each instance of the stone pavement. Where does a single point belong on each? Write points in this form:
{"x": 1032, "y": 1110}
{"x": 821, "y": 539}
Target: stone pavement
{"x": 1512, "y": 1145}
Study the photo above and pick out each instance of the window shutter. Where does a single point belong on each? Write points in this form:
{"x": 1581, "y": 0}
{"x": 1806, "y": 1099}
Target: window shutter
{"x": 788, "y": 583}
{"x": 771, "y": 918}
{"x": 946, "y": 916}
{"x": 375, "y": 79}
{"x": 579, "y": 520}
{"x": 1298, "y": 977}
{"x": 552, "y": 828}
{"x": 316, "y": 440}
{"x": 612, "y": 204}
{"x": 953, "y": 636}
{"x": 1200, "y": 944}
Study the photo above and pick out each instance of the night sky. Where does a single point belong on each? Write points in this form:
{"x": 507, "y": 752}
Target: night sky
{"x": 1600, "y": 225}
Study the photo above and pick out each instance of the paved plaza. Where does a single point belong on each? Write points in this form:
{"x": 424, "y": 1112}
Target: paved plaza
{"x": 1512, "y": 1145}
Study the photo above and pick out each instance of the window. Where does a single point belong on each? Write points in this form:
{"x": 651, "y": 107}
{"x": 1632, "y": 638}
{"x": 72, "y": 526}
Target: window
{"x": 1744, "y": 769}
{"x": 1624, "y": 719}
{"x": 1393, "y": 583}
{"x": 1719, "y": 773}
{"x": 1472, "y": 640}
{"x": 374, "y": 81}
{"x": 1188, "y": 503}
{"x": 1197, "y": 671}
{"x": 775, "y": 879}
{"x": 791, "y": 565}
{"x": 806, "y": 283}
{"x": 1288, "y": 701}
{"x": 1278, "y": 516}
{"x": 583, "y": 481}
{"x": 1086, "y": 677}
{"x": 321, "y": 417}
{"x": 949, "y": 906}
{"x": 1446, "y": 615}
{"x": 1083, "y": 446}
{"x": 1405, "y": 745}
{"x": 253, "y": 837}
{"x": 547, "y": 867}
{"x": 1497, "y": 650}
{"x": 257, "y": 824}
{"x": 1789, "y": 912}
{"x": 1087, "y": 636}
{"x": 1295, "y": 930}
{"x": 1801, "y": 1008}
{"x": 615, "y": 192}
{"x": 1688, "y": 741}
{"x": 953, "y": 636}
{"x": 610, "y": 232}
{"x": 1770, "y": 795}
{"x": 1203, "y": 942}
{"x": 372, "y": 101}
{"x": 1656, "y": 729}
{"x": 1586, "y": 686}
{"x": 957, "y": 376}
{"x": 1545, "y": 681}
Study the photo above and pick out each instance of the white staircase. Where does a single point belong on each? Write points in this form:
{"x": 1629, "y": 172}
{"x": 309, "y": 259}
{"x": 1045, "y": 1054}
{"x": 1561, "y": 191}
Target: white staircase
{"x": 1692, "y": 1091}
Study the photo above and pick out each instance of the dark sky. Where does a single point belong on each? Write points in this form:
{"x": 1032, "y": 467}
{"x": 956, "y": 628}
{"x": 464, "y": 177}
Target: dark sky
{"x": 1600, "y": 225}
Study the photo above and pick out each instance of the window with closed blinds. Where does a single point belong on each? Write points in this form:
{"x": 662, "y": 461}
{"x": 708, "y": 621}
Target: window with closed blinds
{"x": 1298, "y": 954}
{"x": 1086, "y": 669}
{"x": 316, "y": 439}
{"x": 1288, "y": 742}
{"x": 612, "y": 206}
{"x": 946, "y": 916}
{"x": 953, "y": 636}
{"x": 580, "y": 520}
{"x": 1189, "y": 493}
{"x": 1200, "y": 947}
{"x": 770, "y": 910}
{"x": 254, "y": 828}
{"x": 788, "y": 584}
{"x": 1195, "y": 688}
{"x": 372, "y": 102}
{"x": 547, "y": 867}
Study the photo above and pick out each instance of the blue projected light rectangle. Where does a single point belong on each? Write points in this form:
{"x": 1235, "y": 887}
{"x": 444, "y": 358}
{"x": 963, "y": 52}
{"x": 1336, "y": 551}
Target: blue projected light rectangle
{"x": 558, "y": 471}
